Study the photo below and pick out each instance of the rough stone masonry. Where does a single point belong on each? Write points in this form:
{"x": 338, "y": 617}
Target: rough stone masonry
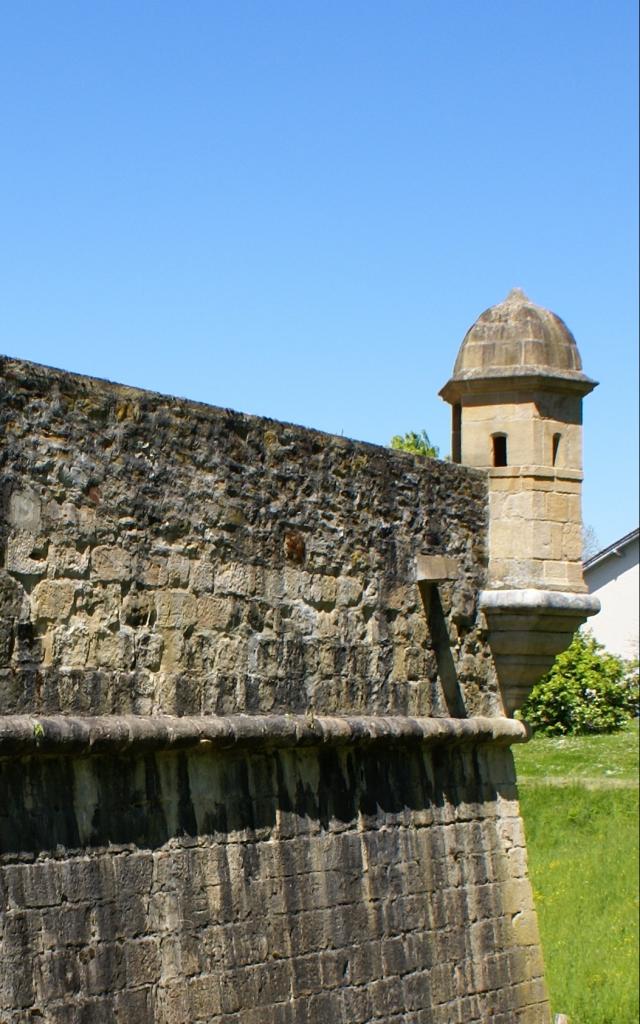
{"x": 251, "y": 771}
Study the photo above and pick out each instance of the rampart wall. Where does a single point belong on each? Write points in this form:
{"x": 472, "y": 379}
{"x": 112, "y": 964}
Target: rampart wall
{"x": 249, "y": 771}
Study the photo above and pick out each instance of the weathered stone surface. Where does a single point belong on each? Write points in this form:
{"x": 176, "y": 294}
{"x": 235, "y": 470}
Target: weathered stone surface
{"x": 53, "y": 600}
{"x": 110, "y": 563}
{"x": 379, "y": 883}
{"x": 249, "y": 772}
{"x": 274, "y": 566}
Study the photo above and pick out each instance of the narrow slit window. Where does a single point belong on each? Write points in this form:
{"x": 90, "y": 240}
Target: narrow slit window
{"x": 499, "y": 449}
{"x": 456, "y": 433}
{"x": 555, "y": 448}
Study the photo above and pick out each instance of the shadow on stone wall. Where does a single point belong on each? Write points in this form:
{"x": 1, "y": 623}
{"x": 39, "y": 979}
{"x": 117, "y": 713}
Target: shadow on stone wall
{"x": 291, "y": 886}
{"x": 50, "y": 802}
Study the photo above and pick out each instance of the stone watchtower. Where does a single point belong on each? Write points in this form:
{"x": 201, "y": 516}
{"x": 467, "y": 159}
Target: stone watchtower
{"x": 516, "y": 394}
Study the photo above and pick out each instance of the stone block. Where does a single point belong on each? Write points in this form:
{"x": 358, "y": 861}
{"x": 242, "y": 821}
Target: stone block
{"x": 559, "y": 507}
{"x": 16, "y": 986}
{"x": 53, "y": 599}
{"x": 20, "y": 547}
{"x": 133, "y": 873}
{"x": 556, "y": 574}
{"x": 71, "y": 646}
{"x": 87, "y": 879}
{"x": 25, "y": 511}
{"x": 547, "y": 540}
{"x": 142, "y": 962}
{"x": 506, "y": 481}
{"x": 216, "y": 612}
{"x": 176, "y": 609}
{"x": 154, "y": 573}
{"x": 387, "y": 997}
{"x": 66, "y": 926}
{"x": 235, "y": 578}
{"x": 101, "y": 969}
{"x": 178, "y": 569}
{"x": 525, "y": 928}
{"x": 58, "y": 976}
{"x": 113, "y": 650}
{"x": 516, "y": 896}
{"x": 394, "y": 958}
{"x": 357, "y": 1005}
{"x": 319, "y": 591}
{"x": 202, "y": 575}
{"x": 173, "y": 1003}
{"x": 110, "y": 563}
{"x": 99, "y": 603}
{"x": 349, "y": 592}
{"x": 135, "y": 1006}
{"x": 34, "y": 885}
{"x": 204, "y": 997}
{"x": 510, "y": 538}
{"x": 519, "y": 573}
{"x": 67, "y": 561}
{"x": 436, "y": 568}
{"x": 572, "y": 542}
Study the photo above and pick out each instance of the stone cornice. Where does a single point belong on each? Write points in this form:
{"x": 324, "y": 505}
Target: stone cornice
{"x": 27, "y": 735}
{"x": 525, "y": 379}
{"x": 532, "y": 600}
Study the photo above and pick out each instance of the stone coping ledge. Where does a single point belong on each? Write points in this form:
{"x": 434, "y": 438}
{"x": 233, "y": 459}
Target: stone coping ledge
{"x": 540, "y": 472}
{"x": 538, "y": 600}
{"x": 112, "y": 734}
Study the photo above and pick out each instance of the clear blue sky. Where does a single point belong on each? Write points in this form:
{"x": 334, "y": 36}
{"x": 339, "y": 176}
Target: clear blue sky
{"x": 298, "y": 208}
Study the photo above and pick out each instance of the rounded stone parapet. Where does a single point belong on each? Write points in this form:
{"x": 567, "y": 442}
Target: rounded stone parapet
{"x": 527, "y": 629}
{"x": 24, "y": 735}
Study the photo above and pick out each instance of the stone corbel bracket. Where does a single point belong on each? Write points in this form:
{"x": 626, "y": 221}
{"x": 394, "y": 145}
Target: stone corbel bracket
{"x": 436, "y": 569}
{"x": 526, "y": 630}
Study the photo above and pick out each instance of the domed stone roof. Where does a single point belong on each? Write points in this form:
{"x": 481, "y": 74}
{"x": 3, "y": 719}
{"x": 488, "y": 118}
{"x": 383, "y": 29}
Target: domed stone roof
{"x": 515, "y": 339}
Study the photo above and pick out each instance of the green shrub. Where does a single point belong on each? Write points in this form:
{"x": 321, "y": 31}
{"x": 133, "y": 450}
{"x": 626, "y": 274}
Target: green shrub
{"x": 586, "y": 691}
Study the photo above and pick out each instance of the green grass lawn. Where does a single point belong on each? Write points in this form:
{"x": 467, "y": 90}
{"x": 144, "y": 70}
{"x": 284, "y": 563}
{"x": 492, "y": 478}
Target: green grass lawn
{"x": 579, "y": 801}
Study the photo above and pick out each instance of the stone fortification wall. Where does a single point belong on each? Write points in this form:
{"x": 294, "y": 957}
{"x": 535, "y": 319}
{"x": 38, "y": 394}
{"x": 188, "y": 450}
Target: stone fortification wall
{"x": 351, "y": 882}
{"x": 249, "y": 772}
{"x": 167, "y": 557}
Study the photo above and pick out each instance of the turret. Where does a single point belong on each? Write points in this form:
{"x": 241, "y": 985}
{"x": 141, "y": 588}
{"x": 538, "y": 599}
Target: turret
{"x": 516, "y": 395}
{"x": 516, "y": 392}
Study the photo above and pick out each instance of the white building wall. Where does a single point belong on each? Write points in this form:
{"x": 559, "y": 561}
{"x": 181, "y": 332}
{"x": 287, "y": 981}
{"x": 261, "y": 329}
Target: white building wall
{"x": 615, "y": 581}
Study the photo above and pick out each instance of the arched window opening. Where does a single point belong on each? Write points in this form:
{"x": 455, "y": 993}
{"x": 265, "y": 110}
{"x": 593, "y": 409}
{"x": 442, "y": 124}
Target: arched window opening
{"x": 555, "y": 448}
{"x": 499, "y": 449}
